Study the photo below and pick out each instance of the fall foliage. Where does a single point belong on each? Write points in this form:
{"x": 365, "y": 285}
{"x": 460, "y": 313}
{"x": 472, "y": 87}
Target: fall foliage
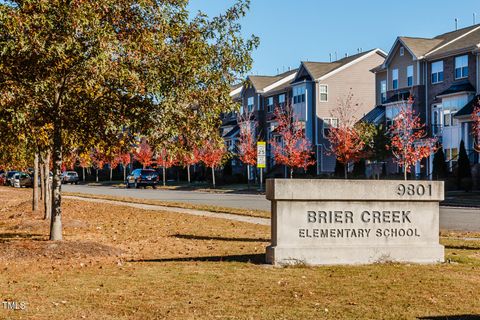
{"x": 294, "y": 150}
{"x": 143, "y": 154}
{"x": 346, "y": 141}
{"x": 409, "y": 144}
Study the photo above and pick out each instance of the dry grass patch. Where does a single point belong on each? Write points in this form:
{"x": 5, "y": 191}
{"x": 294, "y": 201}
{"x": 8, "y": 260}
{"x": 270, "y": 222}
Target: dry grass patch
{"x": 122, "y": 263}
{"x": 244, "y": 212}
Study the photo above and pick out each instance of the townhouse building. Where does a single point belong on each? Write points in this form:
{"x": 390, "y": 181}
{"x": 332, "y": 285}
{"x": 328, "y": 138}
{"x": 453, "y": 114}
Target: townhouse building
{"x": 317, "y": 89}
{"x": 258, "y": 95}
{"x": 441, "y": 74}
{"x": 314, "y": 90}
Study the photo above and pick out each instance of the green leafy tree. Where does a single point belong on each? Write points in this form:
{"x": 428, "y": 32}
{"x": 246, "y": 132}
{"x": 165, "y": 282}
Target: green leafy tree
{"x": 88, "y": 70}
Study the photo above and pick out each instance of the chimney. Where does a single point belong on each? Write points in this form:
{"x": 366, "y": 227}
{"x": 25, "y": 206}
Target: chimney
{"x": 456, "y": 24}
{"x": 346, "y": 55}
{"x": 289, "y": 68}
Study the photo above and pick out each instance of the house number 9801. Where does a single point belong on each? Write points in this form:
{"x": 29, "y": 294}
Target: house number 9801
{"x": 412, "y": 190}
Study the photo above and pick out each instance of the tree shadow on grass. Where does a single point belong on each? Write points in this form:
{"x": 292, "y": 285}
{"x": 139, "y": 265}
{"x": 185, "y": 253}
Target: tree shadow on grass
{"x": 10, "y": 236}
{"x": 194, "y": 237}
{"x": 246, "y": 258}
{"x": 453, "y": 317}
{"x": 463, "y": 247}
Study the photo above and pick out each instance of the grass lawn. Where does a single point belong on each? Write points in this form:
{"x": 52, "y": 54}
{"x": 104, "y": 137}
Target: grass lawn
{"x": 120, "y": 263}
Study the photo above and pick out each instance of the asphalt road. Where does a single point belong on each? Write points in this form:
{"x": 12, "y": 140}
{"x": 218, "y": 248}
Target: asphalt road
{"x": 462, "y": 219}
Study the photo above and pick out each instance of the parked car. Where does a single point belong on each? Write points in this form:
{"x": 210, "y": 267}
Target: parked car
{"x": 9, "y": 177}
{"x": 3, "y": 179}
{"x": 142, "y": 178}
{"x": 70, "y": 177}
{"x": 22, "y": 179}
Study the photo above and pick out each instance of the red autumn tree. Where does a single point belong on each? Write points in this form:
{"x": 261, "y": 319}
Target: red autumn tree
{"x": 212, "y": 155}
{"x": 190, "y": 158}
{"x": 345, "y": 140}
{"x": 167, "y": 159}
{"x": 247, "y": 142}
{"x": 124, "y": 159}
{"x": 98, "y": 160}
{"x": 294, "y": 150}
{"x": 144, "y": 154}
{"x": 408, "y": 138}
{"x": 69, "y": 160}
{"x": 476, "y": 126}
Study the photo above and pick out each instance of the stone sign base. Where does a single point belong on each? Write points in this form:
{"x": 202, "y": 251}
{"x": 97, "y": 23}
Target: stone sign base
{"x": 354, "y": 255}
{"x": 324, "y": 222}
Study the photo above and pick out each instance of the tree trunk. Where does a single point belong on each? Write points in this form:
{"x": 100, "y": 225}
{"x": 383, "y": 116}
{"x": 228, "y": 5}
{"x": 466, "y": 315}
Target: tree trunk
{"x": 56, "y": 221}
{"x": 291, "y": 173}
{"x": 42, "y": 181}
{"x": 124, "y": 172}
{"x": 35, "y": 183}
{"x": 96, "y": 175}
{"x": 405, "y": 173}
{"x": 213, "y": 176}
{"x": 83, "y": 174}
{"x": 47, "y": 199}
{"x": 345, "y": 168}
{"x": 188, "y": 173}
{"x": 111, "y": 171}
{"x": 164, "y": 176}
{"x": 248, "y": 175}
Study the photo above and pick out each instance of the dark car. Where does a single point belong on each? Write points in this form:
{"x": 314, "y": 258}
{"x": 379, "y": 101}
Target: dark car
{"x": 22, "y": 179}
{"x": 142, "y": 178}
{"x": 9, "y": 177}
{"x": 70, "y": 177}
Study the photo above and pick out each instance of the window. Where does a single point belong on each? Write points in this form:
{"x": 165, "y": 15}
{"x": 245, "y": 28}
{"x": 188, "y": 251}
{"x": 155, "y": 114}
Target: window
{"x": 447, "y": 119}
{"x": 395, "y": 79}
{"x": 402, "y": 51}
{"x": 298, "y": 95}
{"x": 437, "y": 72}
{"x": 391, "y": 113}
{"x": 323, "y": 92}
{"x": 270, "y": 104}
{"x": 327, "y": 124}
{"x": 409, "y": 76}
{"x": 461, "y": 67}
{"x": 250, "y": 104}
{"x": 281, "y": 99}
{"x": 383, "y": 90}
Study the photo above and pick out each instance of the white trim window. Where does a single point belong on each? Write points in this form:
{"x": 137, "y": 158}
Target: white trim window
{"x": 391, "y": 113}
{"x": 270, "y": 104}
{"x": 281, "y": 99}
{"x": 461, "y": 67}
{"x": 383, "y": 91}
{"x": 299, "y": 94}
{"x": 402, "y": 51}
{"x": 409, "y": 76}
{"x": 437, "y": 72}
{"x": 250, "y": 103}
{"x": 327, "y": 124}
{"x": 323, "y": 93}
{"x": 395, "y": 79}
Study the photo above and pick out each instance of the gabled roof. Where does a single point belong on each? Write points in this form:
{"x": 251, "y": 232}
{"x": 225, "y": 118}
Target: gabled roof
{"x": 318, "y": 70}
{"x": 265, "y": 83}
{"x": 467, "y": 110}
{"x": 421, "y": 48}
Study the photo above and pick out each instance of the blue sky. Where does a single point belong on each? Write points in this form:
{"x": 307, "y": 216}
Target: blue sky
{"x": 294, "y": 30}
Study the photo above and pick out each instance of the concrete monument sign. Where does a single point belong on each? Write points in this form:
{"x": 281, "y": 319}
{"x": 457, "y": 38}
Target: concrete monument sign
{"x": 354, "y": 221}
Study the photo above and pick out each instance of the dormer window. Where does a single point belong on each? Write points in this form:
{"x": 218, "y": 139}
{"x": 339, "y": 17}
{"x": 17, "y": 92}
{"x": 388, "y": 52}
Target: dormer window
{"x": 402, "y": 51}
